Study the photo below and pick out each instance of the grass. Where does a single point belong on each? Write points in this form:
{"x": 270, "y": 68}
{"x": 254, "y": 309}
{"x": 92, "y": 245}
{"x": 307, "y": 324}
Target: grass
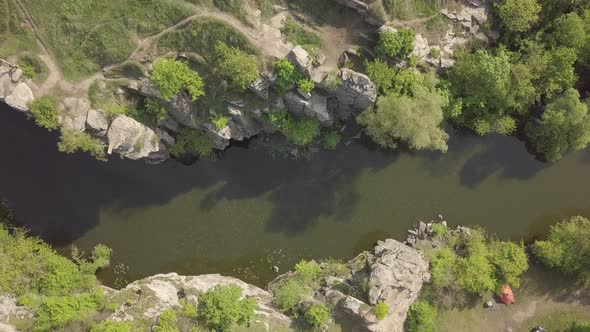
{"x": 298, "y": 35}
{"x": 86, "y": 35}
{"x": 14, "y": 37}
{"x": 409, "y": 9}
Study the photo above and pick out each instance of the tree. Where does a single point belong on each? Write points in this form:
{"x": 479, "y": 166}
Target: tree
{"x": 559, "y": 74}
{"x": 192, "y": 143}
{"x": 171, "y": 77}
{"x": 72, "y": 141}
{"x": 45, "y": 112}
{"x": 483, "y": 82}
{"x": 288, "y": 294}
{"x": 222, "y": 307}
{"x": 300, "y": 132}
{"x": 564, "y": 126}
{"x": 567, "y": 248}
{"x": 509, "y": 260}
{"x": 317, "y": 315}
{"x": 414, "y": 119}
{"x": 519, "y": 15}
{"x": 421, "y": 317}
{"x": 167, "y": 322}
{"x": 381, "y": 74}
{"x": 569, "y": 32}
{"x": 239, "y": 67}
{"x": 396, "y": 44}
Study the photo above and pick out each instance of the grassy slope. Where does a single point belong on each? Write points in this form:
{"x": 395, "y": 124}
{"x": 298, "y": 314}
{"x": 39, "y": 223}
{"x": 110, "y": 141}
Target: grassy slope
{"x": 14, "y": 37}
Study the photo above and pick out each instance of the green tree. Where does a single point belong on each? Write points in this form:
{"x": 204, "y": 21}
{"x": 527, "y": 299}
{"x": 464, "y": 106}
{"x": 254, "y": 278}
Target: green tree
{"x": 288, "y": 294}
{"x": 45, "y": 112}
{"x": 318, "y": 315}
{"x": 287, "y": 74}
{"x": 222, "y": 307}
{"x": 509, "y": 260}
{"x": 72, "y": 141}
{"x": 569, "y": 32}
{"x": 519, "y": 15}
{"x": 239, "y": 67}
{"x": 396, "y": 44}
{"x": 167, "y": 322}
{"x": 414, "y": 119}
{"x": 190, "y": 142}
{"x": 421, "y": 317}
{"x": 171, "y": 77}
{"x": 567, "y": 248}
{"x": 306, "y": 85}
{"x": 309, "y": 271}
{"x": 381, "y": 74}
{"x": 564, "y": 126}
{"x": 301, "y": 132}
{"x": 381, "y": 309}
{"x": 559, "y": 73}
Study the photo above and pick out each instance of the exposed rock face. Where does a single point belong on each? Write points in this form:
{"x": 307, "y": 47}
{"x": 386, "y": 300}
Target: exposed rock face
{"x": 73, "y": 112}
{"x": 314, "y": 107}
{"x": 260, "y": 87}
{"x": 133, "y": 140}
{"x": 356, "y": 93}
{"x": 20, "y": 97}
{"x": 180, "y": 110}
{"x": 396, "y": 277}
{"x": 164, "y": 291}
{"x": 9, "y": 309}
{"x": 97, "y": 122}
{"x": 300, "y": 58}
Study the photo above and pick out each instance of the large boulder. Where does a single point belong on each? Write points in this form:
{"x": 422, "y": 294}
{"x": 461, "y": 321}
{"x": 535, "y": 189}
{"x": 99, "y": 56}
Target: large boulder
{"x": 20, "y": 97}
{"x": 397, "y": 273}
{"x": 355, "y": 94}
{"x": 73, "y": 112}
{"x": 148, "y": 298}
{"x": 314, "y": 107}
{"x": 97, "y": 122}
{"x": 242, "y": 125}
{"x": 133, "y": 140}
{"x": 300, "y": 58}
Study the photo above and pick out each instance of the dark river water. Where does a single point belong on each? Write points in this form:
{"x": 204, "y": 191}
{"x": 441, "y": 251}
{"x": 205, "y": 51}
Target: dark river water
{"x": 247, "y": 211}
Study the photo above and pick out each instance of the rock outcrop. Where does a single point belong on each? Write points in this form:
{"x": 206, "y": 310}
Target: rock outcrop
{"x": 20, "y": 97}
{"x": 97, "y": 123}
{"x": 355, "y": 94}
{"x": 148, "y": 298}
{"x": 73, "y": 113}
{"x": 133, "y": 140}
{"x": 316, "y": 106}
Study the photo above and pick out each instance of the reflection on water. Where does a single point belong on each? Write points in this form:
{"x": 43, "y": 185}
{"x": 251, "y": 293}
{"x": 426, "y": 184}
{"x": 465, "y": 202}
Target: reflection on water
{"x": 247, "y": 211}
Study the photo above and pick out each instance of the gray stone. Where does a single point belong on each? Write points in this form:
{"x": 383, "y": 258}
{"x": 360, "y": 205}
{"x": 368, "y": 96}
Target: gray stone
{"x": 300, "y": 58}
{"x": 6, "y": 84}
{"x": 20, "y": 97}
{"x": 180, "y": 110}
{"x": 343, "y": 60}
{"x": 97, "y": 122}
{"x": 422, "y": 227}
{"x": 133, "y": 140}
{"x": 220, "y": 137}
{"x": 444, "y": 223}
{"x": 489, "y": 304}
{"x": 260, "y": 87}
{"x": 315, "y": 107}
{"x": 16, "y": 75}
{"x": 320, "y": 58}
{"x": 165, "y": 137}
{"x": 73, "y": 112}
{"x": 356, "y": 93}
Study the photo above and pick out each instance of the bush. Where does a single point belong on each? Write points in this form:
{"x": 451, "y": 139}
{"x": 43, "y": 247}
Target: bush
{"x": 31, "y": 65}
{"x": 287, "y": 74}
{"x": 381, "y": 309}
{"x": 306, "y": 85}
{"x": 331, "y": 140}
{"x": 519, "y": 15}
{"x": 167, "y": 322}
{"x": 510, "y": 262}
{"x": 222, "y": 308}
{"x": 567, "y": 248}
{"x": 396, "y": 44}
{"x": 288, "y": 295}
{"x": 579, "y": 327}
{"x": 190, "y": 142}
{"x": 317, "y": 315}
{"x": 45, "y": 112}
{"x": 154, "y": 110}
{"x": 439, "y": 230}
{"x": 421, "y": 317}
{"x": 56, "y": 311}
{"x": 73, "y": 141}
{"x": 220, "y": 121}
{"x": 301, "y": 132}
{"x": 111, "y": 326}
{"x": 171, "y": 76}
{"x": 309, "y": 271}
{"x": 381, "y": 74}
{"x": 236, "y": 65}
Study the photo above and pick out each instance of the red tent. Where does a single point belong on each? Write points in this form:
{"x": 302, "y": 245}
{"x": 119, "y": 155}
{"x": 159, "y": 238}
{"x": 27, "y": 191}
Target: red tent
{"x": 506, "y": 295}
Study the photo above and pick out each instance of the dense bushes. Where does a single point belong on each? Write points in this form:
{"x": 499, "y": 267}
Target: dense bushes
{"x": 190, "y": 142}
{"x": 396, "y": 44}
{"x": 421, "y": 317}
{"x": 72, "y": 141}
{"x": 567, "y": 248}
{"x": 222, "y": 307}
{"x": 519, "y": 15}
{"x": 318, "y": 315}
{"x": 171, "y": 77}
{"x": 45, "y": 112}
{"x": 239, "y": 67}
{"x": 301, "y": 132}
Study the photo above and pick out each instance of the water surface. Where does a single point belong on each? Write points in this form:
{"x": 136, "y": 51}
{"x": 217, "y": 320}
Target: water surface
{"x": 247, "y": 211}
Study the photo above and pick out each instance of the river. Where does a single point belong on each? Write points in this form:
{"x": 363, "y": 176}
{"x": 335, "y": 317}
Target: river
{"x": 247, "y": 211}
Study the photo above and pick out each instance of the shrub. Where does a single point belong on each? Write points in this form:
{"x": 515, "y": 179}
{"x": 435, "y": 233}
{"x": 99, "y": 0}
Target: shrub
{"x": 317, "y": 315}
{"x": 154, "y": 110}
{"x": 309, "y": 271}
{"x": 56, "y": 311}
{"x": 220, "y": 121}
{"x": 167, "y": 322}
{"x": 171, "y": 76}
{"x": 381, "y": 309}
{"x": 72, "y": 141}
{"x": 222, "y": 308}
{"x": 45, "y": 112}
{"x": 236, "y": 65}
{"x": 396, "y": 44}
{"x": 287, "y": 74}
{"x": 190, "y": 142}
{"x": 306, "y": 85}
{"x": 189, "y": 310}
{"x": 509, "y": 260}
{"x": 331, "y": 140}
{"x": 519, "y": 15}
{"x": 439, "y": 230}
{"x": 288, "y": 295}
{"x": 579, "y": 327}
{"x": 31, "y": 65}
{"x": 301, "y": 132}
{"x": 421, "y": 317}
{"x": 567, "y": 248}
{"x": 434, "y": 52}
{"x": 111, "y": 326}
{"x": 381, "y": 74}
